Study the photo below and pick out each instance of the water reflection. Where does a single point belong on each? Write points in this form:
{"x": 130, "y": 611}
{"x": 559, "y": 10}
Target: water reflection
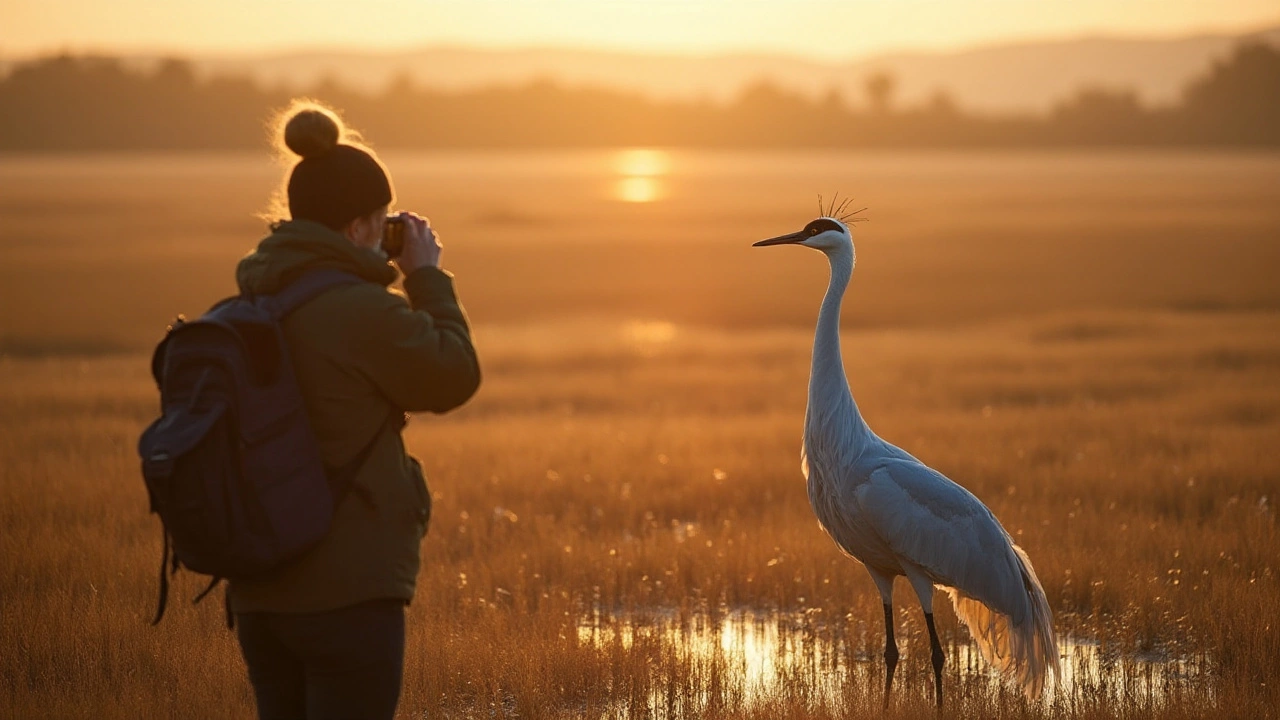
{"x": 644, "y": 162}
{"x": 638, "y": 189}
{"x": 649, "y": 337}
{"x": 765, "y": 656}
{"x": 642, "y": 172}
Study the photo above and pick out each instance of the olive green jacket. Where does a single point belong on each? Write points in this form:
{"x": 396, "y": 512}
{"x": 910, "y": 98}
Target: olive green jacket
{"x": 362, "y": 355}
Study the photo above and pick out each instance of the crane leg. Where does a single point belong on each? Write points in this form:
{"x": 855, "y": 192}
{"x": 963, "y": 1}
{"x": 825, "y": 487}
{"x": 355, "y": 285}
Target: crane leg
{"x": 890, "y": 652}
{"x": 938, "y": 656}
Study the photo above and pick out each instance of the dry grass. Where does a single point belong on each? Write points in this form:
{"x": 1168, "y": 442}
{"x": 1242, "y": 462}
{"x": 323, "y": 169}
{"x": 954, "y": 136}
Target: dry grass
{"x": 1091, "y": 345}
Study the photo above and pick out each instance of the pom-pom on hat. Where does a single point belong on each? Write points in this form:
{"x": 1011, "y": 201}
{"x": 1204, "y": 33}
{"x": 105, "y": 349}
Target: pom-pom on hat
{"x": 334, "y": 183}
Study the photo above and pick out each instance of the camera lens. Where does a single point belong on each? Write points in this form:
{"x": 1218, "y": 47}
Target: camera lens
{"x": 393, "y": 236}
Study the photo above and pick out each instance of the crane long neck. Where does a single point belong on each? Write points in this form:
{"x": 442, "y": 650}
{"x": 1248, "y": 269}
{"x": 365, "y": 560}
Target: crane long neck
{"x": 831, "y": 403}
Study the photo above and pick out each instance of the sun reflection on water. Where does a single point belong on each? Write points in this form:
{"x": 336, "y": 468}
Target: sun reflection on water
{"x": 649, "y": 336}
{"x": 644, "y": 162}
{"x": 642, "y": 172}
{"x": 764, "y": 656}
{"x": 638, "y": 189}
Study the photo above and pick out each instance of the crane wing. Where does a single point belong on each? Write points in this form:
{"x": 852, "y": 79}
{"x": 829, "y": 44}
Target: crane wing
{"x": 940, "y": 527}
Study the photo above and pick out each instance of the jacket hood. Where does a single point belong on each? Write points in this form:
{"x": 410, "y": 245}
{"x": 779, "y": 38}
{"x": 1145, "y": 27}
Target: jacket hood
{"x": 298, "y": 246}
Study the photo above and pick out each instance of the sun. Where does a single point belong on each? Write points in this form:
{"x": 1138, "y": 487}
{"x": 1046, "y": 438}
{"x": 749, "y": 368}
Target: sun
{"x": 642, "y": 174}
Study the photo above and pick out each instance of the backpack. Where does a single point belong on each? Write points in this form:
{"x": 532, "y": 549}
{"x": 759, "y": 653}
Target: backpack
{"x": 232, "y": 466}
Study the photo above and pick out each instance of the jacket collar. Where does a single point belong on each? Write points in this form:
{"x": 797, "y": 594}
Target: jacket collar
{"x": 298, "y": 246}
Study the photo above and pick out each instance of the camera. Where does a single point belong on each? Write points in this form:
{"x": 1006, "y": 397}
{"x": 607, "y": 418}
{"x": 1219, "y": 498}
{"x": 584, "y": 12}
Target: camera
{"x": 393, "y": 236}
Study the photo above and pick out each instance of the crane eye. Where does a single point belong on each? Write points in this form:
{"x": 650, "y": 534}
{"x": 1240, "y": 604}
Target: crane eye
{"x": 813, "y": 231}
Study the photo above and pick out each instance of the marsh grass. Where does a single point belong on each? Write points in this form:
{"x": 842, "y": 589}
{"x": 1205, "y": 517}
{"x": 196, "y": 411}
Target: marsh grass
{"x": 633, "y": 457}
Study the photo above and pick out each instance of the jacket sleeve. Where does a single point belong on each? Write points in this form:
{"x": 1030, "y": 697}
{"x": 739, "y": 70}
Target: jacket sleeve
{"x": 419, "y": 353}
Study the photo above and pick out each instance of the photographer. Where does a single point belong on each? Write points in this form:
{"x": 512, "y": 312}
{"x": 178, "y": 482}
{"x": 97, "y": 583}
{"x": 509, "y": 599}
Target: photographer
{"x": 323, "y": 637}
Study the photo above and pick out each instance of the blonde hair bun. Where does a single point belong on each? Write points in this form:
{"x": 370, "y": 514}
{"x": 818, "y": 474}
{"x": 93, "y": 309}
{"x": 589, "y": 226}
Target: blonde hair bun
{"x": 312, "y": 131}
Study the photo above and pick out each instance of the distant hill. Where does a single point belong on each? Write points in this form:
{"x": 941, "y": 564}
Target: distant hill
{"x": 118, "y": 106}
{"x": 997, "y": 78}
{"x": 1035, "y": 76}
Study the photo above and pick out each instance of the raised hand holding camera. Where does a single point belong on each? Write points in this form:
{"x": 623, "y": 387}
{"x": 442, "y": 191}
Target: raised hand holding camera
{"x": 420, "y": 246}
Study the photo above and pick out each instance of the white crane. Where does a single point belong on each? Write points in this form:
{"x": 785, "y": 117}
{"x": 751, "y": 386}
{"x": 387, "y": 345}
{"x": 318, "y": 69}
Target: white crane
{"x": 898, "y": 516}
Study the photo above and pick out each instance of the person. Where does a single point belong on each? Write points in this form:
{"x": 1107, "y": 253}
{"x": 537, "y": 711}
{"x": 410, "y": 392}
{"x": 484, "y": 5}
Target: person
{"x": 323, "y": 637}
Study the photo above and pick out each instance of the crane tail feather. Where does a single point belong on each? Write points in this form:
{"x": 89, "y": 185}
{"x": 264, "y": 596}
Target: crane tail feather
{"x": 1026, "y": 652}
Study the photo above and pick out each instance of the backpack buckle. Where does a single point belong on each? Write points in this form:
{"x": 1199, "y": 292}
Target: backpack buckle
{"x": 158, "y": 464}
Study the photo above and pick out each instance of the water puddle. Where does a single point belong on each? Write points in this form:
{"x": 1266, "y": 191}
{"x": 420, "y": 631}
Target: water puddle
{"x": 757, "y": 657}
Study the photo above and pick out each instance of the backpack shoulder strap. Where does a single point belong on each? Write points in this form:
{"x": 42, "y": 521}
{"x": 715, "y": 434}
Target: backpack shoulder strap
{"x": 307, "y": 287}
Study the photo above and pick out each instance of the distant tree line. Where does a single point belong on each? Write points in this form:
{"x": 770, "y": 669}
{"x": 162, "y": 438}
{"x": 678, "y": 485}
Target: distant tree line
{"x": 68, "y": 103}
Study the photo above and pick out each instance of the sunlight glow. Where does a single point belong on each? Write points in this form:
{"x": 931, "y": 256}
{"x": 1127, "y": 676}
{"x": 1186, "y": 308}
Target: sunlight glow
{"x": 642, "y": 170}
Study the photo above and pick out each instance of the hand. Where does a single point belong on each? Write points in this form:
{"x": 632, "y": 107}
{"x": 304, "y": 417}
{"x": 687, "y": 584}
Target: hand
{"x": 422, "y": 246}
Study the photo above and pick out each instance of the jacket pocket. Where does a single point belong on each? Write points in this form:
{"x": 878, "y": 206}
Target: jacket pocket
{"x": 422, "y": 511}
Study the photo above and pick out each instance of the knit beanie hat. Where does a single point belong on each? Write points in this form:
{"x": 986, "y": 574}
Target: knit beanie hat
{"x": 333, "y": 183}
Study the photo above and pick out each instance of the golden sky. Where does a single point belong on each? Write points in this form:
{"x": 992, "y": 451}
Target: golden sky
{"x": 829, "y": 29}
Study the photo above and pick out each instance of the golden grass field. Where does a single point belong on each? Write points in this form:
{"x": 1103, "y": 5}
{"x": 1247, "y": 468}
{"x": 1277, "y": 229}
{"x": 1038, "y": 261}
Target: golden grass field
{"x": 1088, "y": 342}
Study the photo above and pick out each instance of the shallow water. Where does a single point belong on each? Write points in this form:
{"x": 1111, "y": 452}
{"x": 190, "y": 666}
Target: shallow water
{"x": 761, "y": 656}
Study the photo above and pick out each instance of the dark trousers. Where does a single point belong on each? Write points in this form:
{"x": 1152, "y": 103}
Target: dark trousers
{"x": 345, "y": 664}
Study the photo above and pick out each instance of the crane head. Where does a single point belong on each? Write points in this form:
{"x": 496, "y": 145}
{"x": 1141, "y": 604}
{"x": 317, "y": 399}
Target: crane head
{"x": 825, "y": 233}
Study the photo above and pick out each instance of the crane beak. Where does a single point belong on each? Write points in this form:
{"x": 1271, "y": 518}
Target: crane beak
{"x": 788, "y": 239}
